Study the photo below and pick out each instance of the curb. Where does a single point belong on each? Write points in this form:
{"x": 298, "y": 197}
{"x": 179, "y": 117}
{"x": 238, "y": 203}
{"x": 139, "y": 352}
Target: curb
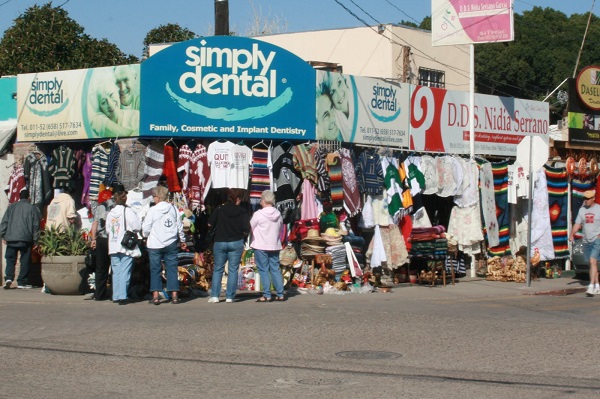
{"x": 561, "y": 292}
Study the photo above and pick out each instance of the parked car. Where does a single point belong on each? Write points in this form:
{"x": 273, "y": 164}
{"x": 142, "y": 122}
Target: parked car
{"x": 581, "y": 266}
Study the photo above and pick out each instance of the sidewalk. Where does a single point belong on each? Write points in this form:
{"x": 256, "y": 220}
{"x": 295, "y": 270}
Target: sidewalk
{"x": 464, "y": 287}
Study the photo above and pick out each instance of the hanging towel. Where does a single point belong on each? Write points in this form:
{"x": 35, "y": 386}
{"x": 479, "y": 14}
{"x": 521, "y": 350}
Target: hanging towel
{"x": 557, "y": 196}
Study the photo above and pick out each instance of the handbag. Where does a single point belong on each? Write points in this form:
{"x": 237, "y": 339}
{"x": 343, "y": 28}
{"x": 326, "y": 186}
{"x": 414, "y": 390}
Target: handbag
{"x": 130, "y": 238}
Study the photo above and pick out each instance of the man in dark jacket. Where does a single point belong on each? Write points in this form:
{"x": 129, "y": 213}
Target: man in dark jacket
{"x": 20, "y": 230}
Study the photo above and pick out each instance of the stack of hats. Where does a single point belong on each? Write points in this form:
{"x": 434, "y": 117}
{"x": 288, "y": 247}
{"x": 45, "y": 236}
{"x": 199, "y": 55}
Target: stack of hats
{"x": 331, "y": 237}
{"x": 312, "y": 244}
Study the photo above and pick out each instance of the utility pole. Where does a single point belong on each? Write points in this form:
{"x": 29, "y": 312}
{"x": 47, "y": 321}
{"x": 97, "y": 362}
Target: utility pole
{"x": 221, "y": 17}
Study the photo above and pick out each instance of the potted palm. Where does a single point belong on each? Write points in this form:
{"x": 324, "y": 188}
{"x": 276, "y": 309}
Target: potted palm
{"x": 63, "y": 259}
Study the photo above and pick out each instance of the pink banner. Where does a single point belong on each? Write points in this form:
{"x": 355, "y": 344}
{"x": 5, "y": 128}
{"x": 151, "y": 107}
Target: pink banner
{"x": 471, "y": 21}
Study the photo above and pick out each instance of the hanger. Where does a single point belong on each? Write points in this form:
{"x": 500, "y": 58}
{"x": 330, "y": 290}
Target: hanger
{"x": 17, "y": 162}
{"x": 171, "y": 141}
{"x": 109, "y": 141}
{"x": 259, "y": 143}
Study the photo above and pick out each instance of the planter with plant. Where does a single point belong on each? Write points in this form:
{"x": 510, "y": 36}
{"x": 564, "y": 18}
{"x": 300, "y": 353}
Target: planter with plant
{"x": 63, "y": 259}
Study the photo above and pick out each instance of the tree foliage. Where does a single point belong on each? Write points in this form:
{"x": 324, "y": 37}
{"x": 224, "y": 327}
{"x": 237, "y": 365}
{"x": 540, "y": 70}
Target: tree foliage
{"x": 169, "y": 33}
{"x": 543, "y": 54}
{"x": 44, "y": 38}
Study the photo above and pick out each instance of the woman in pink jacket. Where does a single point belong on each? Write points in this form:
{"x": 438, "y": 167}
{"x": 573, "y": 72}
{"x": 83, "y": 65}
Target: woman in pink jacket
{"x": 266, "y": 226}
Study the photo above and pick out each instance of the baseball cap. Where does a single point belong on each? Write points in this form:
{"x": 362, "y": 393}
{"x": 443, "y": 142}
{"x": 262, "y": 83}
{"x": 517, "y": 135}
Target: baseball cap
{"x": 589, "y": 194}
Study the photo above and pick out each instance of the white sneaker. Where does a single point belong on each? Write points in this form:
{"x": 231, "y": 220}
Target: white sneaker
{"x": 25, "y": 287}
{"x": 596, "y": 291}
{"x": 228, "y": 300}
{"x": 590, "y": 290}
{"x": 7, "y": 284}
{"x": 213, "y": 299}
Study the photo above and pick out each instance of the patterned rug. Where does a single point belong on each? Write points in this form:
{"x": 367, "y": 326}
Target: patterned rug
{"x": 500, "y": 172}
{"x": 557, "y": 200}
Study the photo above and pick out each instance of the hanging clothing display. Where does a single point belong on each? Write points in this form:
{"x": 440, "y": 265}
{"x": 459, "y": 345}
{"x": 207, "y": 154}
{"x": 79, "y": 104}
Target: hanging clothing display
{"x": 334, "y": 169}
{"x": 239, "y": 172}
{"x": 323, "y": 182}
{"x": 155, "y": 158}
{"x": 37, "y": 178}
{"x": 429, "y": 170}
{"x": 260, "y": 175}
{"x": 394, "y": 248}
{"x": 500, "y": 173}
{"x": 558, "y": 197}
{"x": 62, "y": 167}
{"x": 16, "y": 183}
{"x": 352, "y": 202}
{"x": 580, "y": 185}
{"x": 113, "y": 165}
{"x": 132, "y": 164}
{"x": 541, "y": 231}
{"x": 170, "y": 168}
{"x": 488, "y": 204}
{"x": 219, "y": 160}
{"x": 392, "y": 182}
{"x": 285, "y": 180}
{"x": 86, "y": 174}
{"x": 309, "y": 208}
{"x": 195, "y": 173}
{"x": 99, "y": 167}
{"x": 369, "y": 173}
{"x": 305, "y": 163}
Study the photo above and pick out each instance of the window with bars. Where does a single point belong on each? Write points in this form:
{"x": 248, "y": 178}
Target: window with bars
{"x": 432, "y": 78}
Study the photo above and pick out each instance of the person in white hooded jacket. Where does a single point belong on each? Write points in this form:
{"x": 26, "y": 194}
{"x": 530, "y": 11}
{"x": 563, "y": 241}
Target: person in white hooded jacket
{"x": 164, "y": 229}
{"x": 120, "y": 219}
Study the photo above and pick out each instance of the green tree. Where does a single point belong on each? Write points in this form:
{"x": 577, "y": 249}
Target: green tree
{"x": 542, "y": 55}
{"x": 169, "y": 33}
{"x": 44, "y": 38}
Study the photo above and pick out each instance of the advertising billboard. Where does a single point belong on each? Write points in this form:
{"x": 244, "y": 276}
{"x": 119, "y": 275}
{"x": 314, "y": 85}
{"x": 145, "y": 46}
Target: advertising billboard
{"x": 584, "y": 106}
{"x": 78, "y": 104}
{"x": 440, "y": 122}
{"x": 361, "y": 110}
{"x": 471, "y": 21}
{"x": 227, "y": 87}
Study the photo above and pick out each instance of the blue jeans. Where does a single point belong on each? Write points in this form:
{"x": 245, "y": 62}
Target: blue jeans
{"x": 11, "y": 261}
{"x": 268, "y": 266}
{"x": 121, "y": 274}
{"x": 168, "y": 255}
{"x": 226, "y": 252}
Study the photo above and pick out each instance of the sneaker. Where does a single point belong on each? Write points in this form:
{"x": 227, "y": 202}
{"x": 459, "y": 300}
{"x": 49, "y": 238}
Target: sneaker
{"x": 228, "y": 300}
{"x": 25, "y": 287}
{"x": 213, "y": 299}
{"x": 590, "y": 290}
{"x": 7, "y": 284}
{"x": 596, "y": 291}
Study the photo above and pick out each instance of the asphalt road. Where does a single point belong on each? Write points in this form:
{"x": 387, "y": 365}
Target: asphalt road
{"x": 416, "y": 342}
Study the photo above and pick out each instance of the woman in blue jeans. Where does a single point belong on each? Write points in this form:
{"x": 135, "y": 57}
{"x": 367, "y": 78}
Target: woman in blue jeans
{"x": 164, "y": 229}
{"x": 266, "y": 226}
{"x": 232, "y": 225}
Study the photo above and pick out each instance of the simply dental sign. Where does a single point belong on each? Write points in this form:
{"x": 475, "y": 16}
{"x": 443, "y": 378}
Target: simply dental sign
{"x": 227, "y": 87}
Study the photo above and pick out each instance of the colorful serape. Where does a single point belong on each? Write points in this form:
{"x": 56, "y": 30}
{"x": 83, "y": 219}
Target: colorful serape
{"x": 578, "y": 187}
{"x": 334, "y": 166}
{"x": 500, "y": 173}
{"x": 259, "y": 176}
{"x": 557, "y": 199}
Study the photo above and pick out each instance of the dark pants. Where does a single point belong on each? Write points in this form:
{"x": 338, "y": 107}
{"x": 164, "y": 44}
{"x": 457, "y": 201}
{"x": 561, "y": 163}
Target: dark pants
{"x": 12, "y": 250}
{"x": 102, "y": 267}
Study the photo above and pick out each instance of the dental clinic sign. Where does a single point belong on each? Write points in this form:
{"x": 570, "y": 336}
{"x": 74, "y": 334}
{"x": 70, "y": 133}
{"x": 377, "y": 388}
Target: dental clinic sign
{"x": 227, "y": 87}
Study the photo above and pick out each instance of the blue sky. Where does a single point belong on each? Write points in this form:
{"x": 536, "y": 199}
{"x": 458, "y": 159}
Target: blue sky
{"x": 126, "y": 22}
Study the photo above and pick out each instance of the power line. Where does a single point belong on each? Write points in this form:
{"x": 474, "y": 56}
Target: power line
{"x": 458, "y": 71}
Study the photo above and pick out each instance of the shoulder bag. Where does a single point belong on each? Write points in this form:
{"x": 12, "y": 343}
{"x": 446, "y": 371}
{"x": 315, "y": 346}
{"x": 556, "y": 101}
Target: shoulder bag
{"x": 130, "y": 238}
